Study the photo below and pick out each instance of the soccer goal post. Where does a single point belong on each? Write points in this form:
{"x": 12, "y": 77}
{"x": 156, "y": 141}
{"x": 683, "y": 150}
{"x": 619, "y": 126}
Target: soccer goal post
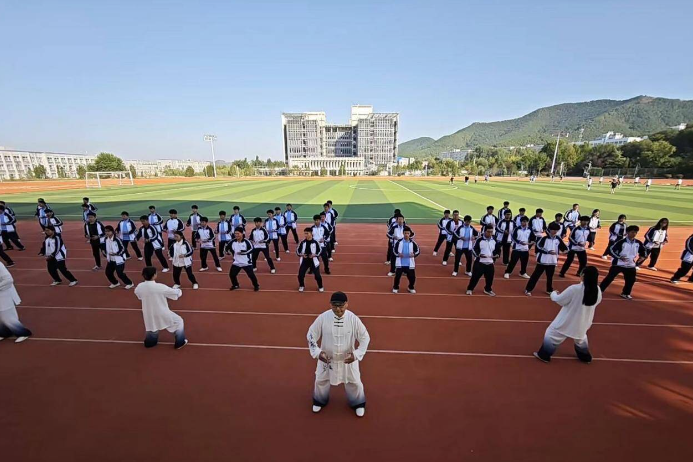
{"x": 104, "y": 179}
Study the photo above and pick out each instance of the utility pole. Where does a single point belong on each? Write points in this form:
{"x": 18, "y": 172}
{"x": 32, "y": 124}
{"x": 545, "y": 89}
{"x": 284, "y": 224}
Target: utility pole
{"x": 212, "y": 139}
{"x": 555, "y": 152}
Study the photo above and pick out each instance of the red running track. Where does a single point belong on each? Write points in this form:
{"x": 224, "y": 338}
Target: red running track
{"x": 448, "y": 376}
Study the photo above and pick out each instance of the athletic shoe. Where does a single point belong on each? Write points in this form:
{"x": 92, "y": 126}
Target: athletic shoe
{"x": 56, "y": 283}
{"x": 221, "y": 257}
{"x": 454, "y": 273}
{"x": 234, "y": 288}
{"x": 627, "y": 297}
{"x": 287, "y": 251}
{"x": 9, "y": 265}
{"x": 652, "y": 268}
{"x": 435, "y": 254}
{"x": 445, "y": 263}
{"x": 301, "y": 289}
{"x": 637, "y": 268}
{"x": 184, "y": 343}
{"x": 387, "y": 262}
{"x": 336, "y": 243}
{"x": 561, "y": 275}
{"x": 412, "y": 291}
{"x": 525, "y": 275}
{"x": 21, "y": 339}
{"x": 202, "y": 270}
{"x": 394, "y": 291}
{"x": 331, "y": 259}
{"x": 256, "y": 288}
{"x": 469, "y": 292}
{"x": 674, "y": 281}
{"x": 196, "y": 286}
{"x": 73, "y": 283}
{"x": 96, "y": 268}
{"x": 536, "y": 355}
{"x": 113, "y": 286}
{"x": 22, "y": 249}
{"x": 279, "y": 259}
{"x": 468, "y": 273}
{"x": 219, "y": 269}
{"x": 506, "y": 276}
{"x": 549, "y": 292}
{"x": 334, "y": 250}
{"x": 390, "y": 274}
{"x": 129, "y": 286}
{"x": 2, "y": 338}
{"x": 604, "y": 257}
{"x": 316, "y": 409}
{"x": 321, "y": 289}
{"x": 140, "y": 258}
{"x": 360, "y": 412}
{"x": 254, "y": 270}
{"x": 490, "y": 293}
{"x": 328, "y": 272}
{"x": 529, "y": 294}
{"x": 272, "y": 271}
{"x": 176, "y": 286}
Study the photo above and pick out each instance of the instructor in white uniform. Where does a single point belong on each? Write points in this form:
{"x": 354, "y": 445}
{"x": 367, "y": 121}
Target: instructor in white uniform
{"x": 332, "y": 341}
{"x": 10, "y": 326}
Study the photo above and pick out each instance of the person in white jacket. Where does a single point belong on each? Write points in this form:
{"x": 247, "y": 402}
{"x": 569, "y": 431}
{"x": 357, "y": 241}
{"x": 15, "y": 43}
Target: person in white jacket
{"x": 155, "y": 311}
{"x": 332, "y": 341}
{"x": 10, "y": 326}
{"x": 578, "y": 303}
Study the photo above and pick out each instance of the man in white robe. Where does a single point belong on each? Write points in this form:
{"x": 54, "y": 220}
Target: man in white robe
{"x": 10, "y": 326}
{"x": 157, "y": 316}
{"x": 337, "y": 330}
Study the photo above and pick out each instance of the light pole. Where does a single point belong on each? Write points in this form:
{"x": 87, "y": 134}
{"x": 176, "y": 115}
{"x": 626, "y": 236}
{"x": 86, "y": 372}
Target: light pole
{"x": 555, "y": 152}
{"x": 212, "y": 139}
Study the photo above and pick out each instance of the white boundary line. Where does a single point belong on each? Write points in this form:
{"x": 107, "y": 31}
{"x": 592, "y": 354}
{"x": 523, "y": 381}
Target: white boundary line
{"x": 417, "y": 194}
{"x": 353, "y": 186}
{"x": 400, "y": 352}
{"x": 365, "y": 316}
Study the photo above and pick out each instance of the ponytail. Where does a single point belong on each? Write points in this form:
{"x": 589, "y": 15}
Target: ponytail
{"x": 590, "y": 279}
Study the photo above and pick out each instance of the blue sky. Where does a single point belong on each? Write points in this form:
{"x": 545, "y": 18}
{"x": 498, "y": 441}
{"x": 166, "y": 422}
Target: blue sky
{"x": 146, "y": 79}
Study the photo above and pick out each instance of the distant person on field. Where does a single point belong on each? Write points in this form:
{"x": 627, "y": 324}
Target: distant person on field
{"x": 686, "y": 262}
{"x": 578, "y": 303}
{"x": 678, "y": 184}
{"x": 636, "y": 182}
{"x": 627, "y": 253}
{"x": 466, "y": 179}
{"x": 452, "y": 180}
{"x": 486, "y": 178}
{"x": 589, "y": 183}
{"x": 10, "y": 326}
{"x": 601, "y": 179}
{"x": 476, "y": 179}
{"x": 155, "y": 311}
{"x": 648, "y": 184}
{"x": 614, "y": 185}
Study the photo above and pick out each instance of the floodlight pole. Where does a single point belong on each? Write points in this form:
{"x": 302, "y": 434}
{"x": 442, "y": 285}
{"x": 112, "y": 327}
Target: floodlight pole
{"x": 555, "y": 153}
{"x": 211, "y": 139}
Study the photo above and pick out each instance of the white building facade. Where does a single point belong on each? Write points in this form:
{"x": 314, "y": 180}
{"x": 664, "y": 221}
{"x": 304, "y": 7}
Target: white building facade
{"x": 617, "y": 139}
{"x": 16, "y": 165}
{"x": 367, "y": 142}
{"x": 148, "y": 168}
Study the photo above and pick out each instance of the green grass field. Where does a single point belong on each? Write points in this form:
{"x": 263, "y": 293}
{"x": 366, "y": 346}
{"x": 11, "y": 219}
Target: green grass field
{"x": 364, "y": 200}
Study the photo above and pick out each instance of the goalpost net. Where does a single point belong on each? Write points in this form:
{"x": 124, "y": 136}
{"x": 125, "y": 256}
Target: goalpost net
{"x": 104, "y": 179}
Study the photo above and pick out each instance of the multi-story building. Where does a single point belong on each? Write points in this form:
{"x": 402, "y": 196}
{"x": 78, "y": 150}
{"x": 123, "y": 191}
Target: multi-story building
{"x": 146, "y": 168}
{"x": 617, "y": 139}
{"x": 15, "y": 165}
{"x": 367, "y": 142}
{"x": 456, "y": 154}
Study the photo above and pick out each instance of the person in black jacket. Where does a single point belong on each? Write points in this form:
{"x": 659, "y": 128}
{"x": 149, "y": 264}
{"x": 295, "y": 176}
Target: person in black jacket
{"x": 94, "y": 232}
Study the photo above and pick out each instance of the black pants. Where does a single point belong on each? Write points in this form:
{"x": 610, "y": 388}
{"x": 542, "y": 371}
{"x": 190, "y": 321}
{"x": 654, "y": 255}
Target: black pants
{"x": 608, "y": 246}
{"x": 285, "y": 241}
{"x": 203, "y": 257}
{"x": 441, "y": 239}
{"x": 654, "y": 256}
{"x": 293, "y": 232}
{"x": 222, "y": 247}
{"x": 149, "y": 251}
{"x": 193, "y": 242}
{"x": 96, "y": 250}
{"x": 169, "y": 245}
{"x": 5, "y": 257}
{"x": 682, "y": 271}
{"x": 325, "y": 255}
{"x": 307, "y": 264}
{"x": 536, "y": 274}
{"x": 112, "y": 268}
{"x": 628, "y": 275}
{"x": 591, "y": 239}
{"x": 582, "y": 259}
{"x": 333, "y": 236}
{"x": 275, "y": 243}
{"x": 177, "y": 270}
{"x": 389, "y": 251}
{"x": 487, "y": 271}
{"x": 411, "y": 276}
{"x": 265, "y": 252}
{"x": 12, "y": 236}
{"x": 59, "y": 265}
{"x": 523, "y": 257}
{"x": 448, "y": 248}
{"x": 505, "y": 247}
{"x": 233, "y": 274}
{"x": 134, "y": 246}
{"x": 467, "y": 256}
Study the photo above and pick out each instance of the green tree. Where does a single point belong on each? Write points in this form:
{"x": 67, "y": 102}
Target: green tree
{"x": 323, "y": 171}
{"x": 209, "y": 171}
{"x": 40, "y": 172}
{"x": 81, "y": 172}
{"x": 661, "y": 155}
{"x": 107, "y": 162}
{"x": 607, "y": 155}
{"x": 342, "y": 170}
{"x": 61, "y": 171}
{"x": 133, "y": 172}
{"x": 189, "y": 171}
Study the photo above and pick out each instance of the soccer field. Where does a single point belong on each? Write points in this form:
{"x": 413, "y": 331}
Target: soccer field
{"x": 364, "y": 200}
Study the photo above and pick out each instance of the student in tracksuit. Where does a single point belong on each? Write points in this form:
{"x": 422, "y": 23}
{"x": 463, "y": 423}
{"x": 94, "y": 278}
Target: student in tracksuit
{"x": 576, "y": 247}
{"x": 3, "y": 232}
{"x": 442, "y": 233}
{"x": 504, "y": 232}
{"x": 128, "y": 233}
{"x": 572, "y": 217}
{"x": 54, "y": 221}
{"x": 206, "y": 236}
{"x": 172, "y": 225}
{"x": 224, "y": 232}
{"x": 594, "y": 225}
{"x": 41, "y": 212}
{"x": 562, "y": 226}
{"x": 489, "y": 219}
{"x": 655, "y": 238}
{"x": 55, "y": 254}
{"x": 335, "y": 215}
{"x": 182, "y": 259}
{"x": 308, "y": 252}
{"x": 505, "y": 208}
{"x": 547, "y": 250}
{"x": 538, "y": 225}
{"x": 522, "y": 238}
{"x": 237, "y": 220}
{"x": 465, "y": 237}
{"x": 8, "y": 228}
{"x": 94, "y": 232}
{"x": 194, "y": 223}
{"x": 626, "y": 254}
{"x": 329, "y": 245}
{"x": 91, "y": 207}
{"x": 272, "y": 227}
{"x": 332, "y": 222}
{"x": 260, "y": 239}
{"x": 115, "y": 260}
{"x": 153, "y": 243}
{"x": 451, "y": 229}
{"x": 155, "y": 220}
{"x": 281, "y": 230}
{"x": 390, "y": 221}
{"x": 405, "y": 251}
{"x": 686, "y": 262}
{"x": 321, "y": 233}
{"x": 518, "y": 217}
{"x": 243, "y": 256}
{"x": 85, "y": 213}
{"x": 291, "y": 220}
{"x": 617, "y": 231}
{"x": 485, "y": 253}
{"x": 394, "y": 234}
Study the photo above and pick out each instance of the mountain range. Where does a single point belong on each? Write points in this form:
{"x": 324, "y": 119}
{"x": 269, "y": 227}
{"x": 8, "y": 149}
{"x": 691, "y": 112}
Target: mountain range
{"x": 637, "y": 116}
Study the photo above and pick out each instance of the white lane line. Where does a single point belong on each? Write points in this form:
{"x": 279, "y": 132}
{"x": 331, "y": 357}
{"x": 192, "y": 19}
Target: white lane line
{"x": 368, "y": 316}
{"x": 400, "y": 352}
{"x": 442, "y": 207}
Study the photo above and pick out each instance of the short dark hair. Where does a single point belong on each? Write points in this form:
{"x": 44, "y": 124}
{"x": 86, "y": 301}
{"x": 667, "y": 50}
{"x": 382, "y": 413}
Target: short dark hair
{"x": 506, "y": 203}
{"x": 308, "y": 230}
{"x": 239, "y": 229}
{"x": 151, "y": 207}
{"x": 329, "y": 202}
{"x": 490, "y": 207}
{"x": 635, "y": 228}
{"x": 554, "y": 226}
{"x": 49, "y": 227}
{"x": 84, "y": 206}
{"x": 456, "y": 211}
{"x": 622, "y": 216}
{"x": 558, "y": 215}
{"x": 270, "y": 211}
{"x": 235, "y": 207}
{"x": 522, "y": 209}
{"x": 194, "y": 207}
{"x": 257, "y": 220}
{"x": 316, "y": 217}
{"x": 222, "y": 212}
{"x": 540, "y": 211}
{"x": 173, "y": 211}
{"x": 289, "y": 205}
{"x": 91, "y": 214}
{"x": 584, "y": 218}
{"x": 508, "y": 212}
{"x": 323, "y": 214}
{"x": 108, "y": 228}
{"x": 148, "y": 273}
{"x": 446, "y": 211}
{"x": 205, "y": 219}
{"x": 406, "y": 228}
{"x": 124, "y": 213}
{"x": 575, "y": 205}
{"x": 467, "y": 218}
{"x": 524, "y": 218}
{"x": 85, "y": 199}
{"x": 144, "y": 217}
{"x": 179, "y": 233}
{"x": 278, "y": 208}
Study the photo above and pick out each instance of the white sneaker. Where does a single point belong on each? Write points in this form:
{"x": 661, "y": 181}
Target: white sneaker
{"x": 627, "y": 297}
{"x": 334, "y": 250}
{"x": 113, "y": 286}
{"x": 129, "y": 286}
{"x": 279, "y": 259}
{"x": 529, "y": 294}
{"x": 301, "y": 289}
{"x": 445, "y": 263}
{"x": 222, "y": 257}
{"x": 316, "y": 408}
{"x": 454, "y": 273}
{"x": 331, "y": 259}
{"x": 176, "y": 286}
{"x": 435, "y": 254}
{"x": 394, "y": 291}
{"x": 272, "y": 271}
{"x": 202, "y": 270}
{"x": 637, "y": 268}
{"x": 196, "y": 286}
{"x": 170, "y": 258}
{"x": 525, "y": 275}
{"x": 468, "y": 273}
{"x": 287, "y": 251}
{"x": 321, "y": 289}
{"x": 387, "y": 262}
{"x": 652, "y": 268}
{"x": 390, "y": 274}
{"x": 490, "y": 293}
{"x": 412, "y": 291}
{"x": 56, "y": 283}
{"x": 219, "y": 269}
{"x": 21, "y": 339}
{"x": 604, "y": 257}
{"x": 73, "y": 283}
{"x": 254, "y": 270}
{"x": 469, "y": 292}
{"x": 96, "y": 268}
{"x": 506, "y": 276}
{"x": 165, "y": 270}
{"x": 674, "y": 282}
{"x": 140, "y": 258}
{"x": 360, "y": 412}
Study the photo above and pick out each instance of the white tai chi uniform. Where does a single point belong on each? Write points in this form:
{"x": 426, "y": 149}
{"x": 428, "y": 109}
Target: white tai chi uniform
{"x": 10, "y": 326}
{"x": 156, "y": 313}
{"x": 337, "y": 337}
